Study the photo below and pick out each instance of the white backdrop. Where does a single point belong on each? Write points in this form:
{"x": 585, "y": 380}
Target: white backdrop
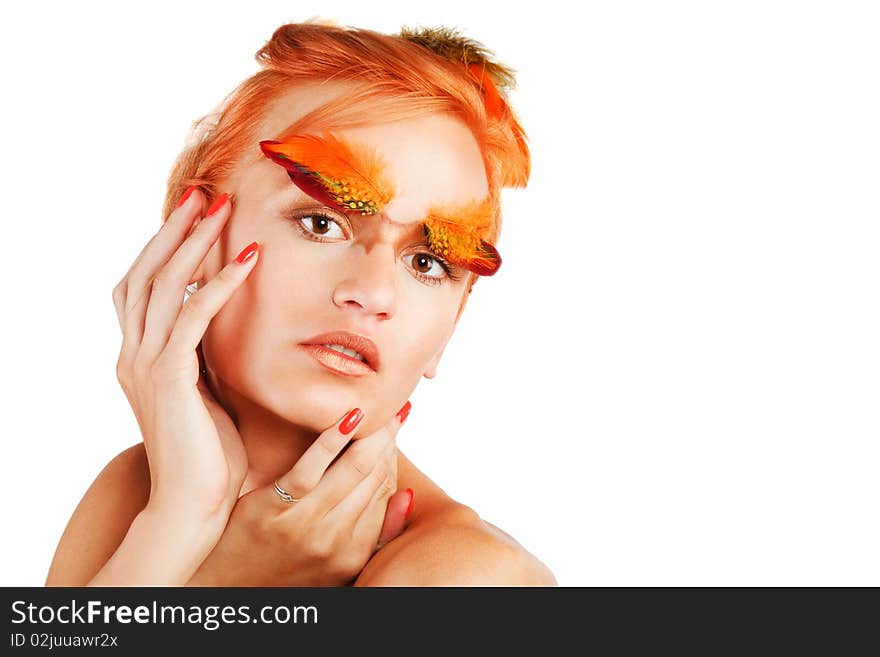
{"x": 683, "y": 339}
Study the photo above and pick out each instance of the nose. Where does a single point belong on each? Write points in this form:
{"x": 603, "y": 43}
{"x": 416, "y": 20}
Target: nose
{"x": 370, "y": 283}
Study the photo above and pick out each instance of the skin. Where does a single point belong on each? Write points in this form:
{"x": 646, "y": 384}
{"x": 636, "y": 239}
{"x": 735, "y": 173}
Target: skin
{"x": 363, "y": 281}
{"x": 366, "y": 188}
{"x": 280, "y": 397}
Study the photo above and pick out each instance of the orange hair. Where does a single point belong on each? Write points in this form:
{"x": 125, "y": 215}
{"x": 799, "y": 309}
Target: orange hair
{"x": 400, "y": 76}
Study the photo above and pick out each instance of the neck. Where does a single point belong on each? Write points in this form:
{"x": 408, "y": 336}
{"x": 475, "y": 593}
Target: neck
{"x": 272, "y": 444}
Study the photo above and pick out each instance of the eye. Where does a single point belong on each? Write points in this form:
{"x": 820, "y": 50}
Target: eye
{"x": 320, "y": 225}
{"x": 423, "y": 263}
{"x": 430, "y": 269}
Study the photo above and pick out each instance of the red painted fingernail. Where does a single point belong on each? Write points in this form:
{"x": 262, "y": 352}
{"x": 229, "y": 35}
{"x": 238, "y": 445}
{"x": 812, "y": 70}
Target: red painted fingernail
{"x": 186, "y": 194}
{"x": 350, "y": 421}
{"x": 404, "y": 411}
{"x": 412, "y": 498}
{"x": 217, "y": 204}
{"x": 247, "y": 253}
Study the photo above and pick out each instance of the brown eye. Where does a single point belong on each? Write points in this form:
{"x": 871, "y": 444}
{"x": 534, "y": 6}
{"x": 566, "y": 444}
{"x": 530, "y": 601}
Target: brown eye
{"x": 432, "y": 270}
{"x": 428, "y": 268}
{"x": 321, "y": 225}
{"x": 422, "y": 263}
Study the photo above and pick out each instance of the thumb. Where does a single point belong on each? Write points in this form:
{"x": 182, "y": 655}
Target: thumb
{"x": 399, "y": 507}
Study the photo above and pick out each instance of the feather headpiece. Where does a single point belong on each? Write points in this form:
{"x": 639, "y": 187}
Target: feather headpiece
{"x": 477, "y": 61}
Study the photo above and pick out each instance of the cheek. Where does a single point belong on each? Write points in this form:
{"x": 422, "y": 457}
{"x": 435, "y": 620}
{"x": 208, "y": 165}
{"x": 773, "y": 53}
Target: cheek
{"x": 265, "y": 312}
{"x": 420, "y": 332}
{"x": 289, "y": 295}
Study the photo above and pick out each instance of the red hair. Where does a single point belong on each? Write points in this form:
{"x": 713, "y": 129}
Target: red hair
{"x": 398, "y": 76}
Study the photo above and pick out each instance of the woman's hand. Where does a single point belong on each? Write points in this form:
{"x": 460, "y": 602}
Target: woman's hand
{"x": 196, "y": 457}
{"x": 326, "y": 537}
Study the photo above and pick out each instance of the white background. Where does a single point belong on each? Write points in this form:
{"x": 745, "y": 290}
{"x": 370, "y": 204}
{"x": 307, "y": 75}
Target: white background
{"x": 673, "y": 379}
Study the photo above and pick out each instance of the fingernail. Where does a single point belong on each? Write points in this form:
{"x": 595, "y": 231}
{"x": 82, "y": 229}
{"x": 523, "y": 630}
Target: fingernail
{"x": 247, "y": 253}
{"x": 412, "y": 499}
{"x": 350, "y": 421}
{"x": 404, "y": 411}
{"x": 186, "y": 194}
{"x": 217, "y": 204}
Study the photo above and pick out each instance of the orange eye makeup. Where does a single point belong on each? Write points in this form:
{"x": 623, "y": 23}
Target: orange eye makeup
{"x": 351, "y": 177}
{"x": 345, "y": 176}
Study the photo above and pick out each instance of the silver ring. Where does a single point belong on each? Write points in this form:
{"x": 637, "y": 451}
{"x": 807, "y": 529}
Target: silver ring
{"x": 284, "y": 495}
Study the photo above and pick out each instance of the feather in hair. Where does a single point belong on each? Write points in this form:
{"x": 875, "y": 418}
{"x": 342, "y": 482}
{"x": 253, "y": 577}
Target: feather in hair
{"x": 491, "y": 75}
{"x": 450, "y": 44}
{"x": 333, "y": 171}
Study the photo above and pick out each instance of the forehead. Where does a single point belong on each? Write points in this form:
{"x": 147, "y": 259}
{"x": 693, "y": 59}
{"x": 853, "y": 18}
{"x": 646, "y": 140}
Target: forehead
{"x": 431, "y": 160}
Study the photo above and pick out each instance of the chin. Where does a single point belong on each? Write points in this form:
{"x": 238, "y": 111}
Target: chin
{"x": 315, "y": 402}
{"x": 312, "y": 397}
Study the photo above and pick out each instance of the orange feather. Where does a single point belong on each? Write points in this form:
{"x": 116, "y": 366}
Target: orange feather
{"x": 351, "y": 176}
{"x": 458, "y": 237}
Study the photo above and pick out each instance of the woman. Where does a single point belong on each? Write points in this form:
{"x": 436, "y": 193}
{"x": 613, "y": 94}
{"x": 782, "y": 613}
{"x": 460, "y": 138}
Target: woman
{"x": 358, "y": 177}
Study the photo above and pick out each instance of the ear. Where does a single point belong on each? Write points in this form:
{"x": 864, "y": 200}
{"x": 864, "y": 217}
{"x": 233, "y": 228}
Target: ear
{"x": 431, "y": 369}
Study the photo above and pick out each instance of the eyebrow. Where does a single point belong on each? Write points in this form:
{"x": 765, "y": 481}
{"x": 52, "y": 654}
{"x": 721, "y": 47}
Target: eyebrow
{"x": 343, "y": 173}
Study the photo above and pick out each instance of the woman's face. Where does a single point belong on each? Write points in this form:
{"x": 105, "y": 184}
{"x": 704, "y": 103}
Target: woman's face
{"x": 370, "y": 275}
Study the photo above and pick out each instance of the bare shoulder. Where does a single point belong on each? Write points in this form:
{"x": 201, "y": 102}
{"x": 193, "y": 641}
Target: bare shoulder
{"x": 101, "y": 519}
{"x": 453, "y": 546}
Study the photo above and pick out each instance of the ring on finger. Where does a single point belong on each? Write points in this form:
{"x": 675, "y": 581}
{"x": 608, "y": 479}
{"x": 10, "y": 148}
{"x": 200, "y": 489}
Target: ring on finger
{"x": 284, "y": 495}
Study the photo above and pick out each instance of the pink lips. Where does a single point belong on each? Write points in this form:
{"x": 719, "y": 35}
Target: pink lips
{"x": 343, "y": 363}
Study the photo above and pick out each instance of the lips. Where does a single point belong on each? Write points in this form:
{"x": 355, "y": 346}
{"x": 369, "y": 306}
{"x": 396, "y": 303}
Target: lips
{"x": 359, "y": 343}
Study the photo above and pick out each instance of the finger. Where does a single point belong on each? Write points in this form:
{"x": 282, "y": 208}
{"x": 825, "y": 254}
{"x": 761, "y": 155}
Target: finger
{"x": 167, "y": 287}
{"x": 368, "y": 525}
{"x": 130, "y": 295}
{"x": 391, "y": 513}
{"x": 189, "y": 210}
{"x": 198, "y": 312}
{"x": 353, "y": 466}
{"x": 308, "y": 470}
{"x": 396, "y": 514}
{"x": 381, "y": 483}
